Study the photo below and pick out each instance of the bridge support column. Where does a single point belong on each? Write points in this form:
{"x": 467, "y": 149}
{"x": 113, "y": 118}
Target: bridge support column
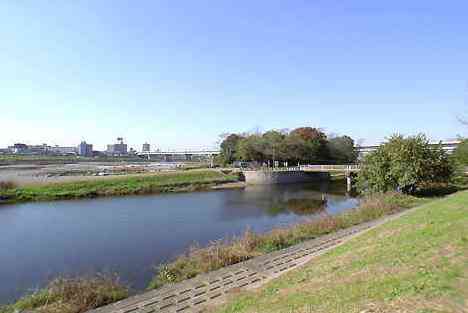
{"x": 349, "y": 181}
{"x": 212, "y": 161}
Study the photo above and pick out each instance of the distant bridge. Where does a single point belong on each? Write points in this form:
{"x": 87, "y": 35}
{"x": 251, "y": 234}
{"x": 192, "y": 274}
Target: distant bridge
{"x": 448, "y": 146}
{"x": 180, "y": 155}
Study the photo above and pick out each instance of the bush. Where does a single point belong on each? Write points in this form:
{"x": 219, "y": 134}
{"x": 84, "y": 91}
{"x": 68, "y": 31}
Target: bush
{"x": 404, "y": 164}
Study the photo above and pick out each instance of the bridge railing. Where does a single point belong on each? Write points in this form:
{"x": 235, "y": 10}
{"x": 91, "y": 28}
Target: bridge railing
{"x": 280, "y": 169}
{"x": 312, "y": 167}
{"x": 325, "y": 168}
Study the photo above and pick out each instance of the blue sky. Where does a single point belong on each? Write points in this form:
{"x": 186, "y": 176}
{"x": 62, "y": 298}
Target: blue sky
{"x": 179, "y": 73}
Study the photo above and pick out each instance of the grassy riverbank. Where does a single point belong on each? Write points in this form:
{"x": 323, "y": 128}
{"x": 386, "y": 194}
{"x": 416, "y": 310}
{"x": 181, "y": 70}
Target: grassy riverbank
{"x": 418, "y": 263}
{"x": 118, "y": 186}
{"x": 223, "y": 253}
{"x": 71, "y": 295}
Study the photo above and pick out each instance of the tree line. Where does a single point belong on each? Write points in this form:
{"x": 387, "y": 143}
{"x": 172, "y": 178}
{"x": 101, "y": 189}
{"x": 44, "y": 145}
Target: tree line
{"x": 301, "y": 145}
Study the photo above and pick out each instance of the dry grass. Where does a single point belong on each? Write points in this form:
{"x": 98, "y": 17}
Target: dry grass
{"x": 7, "y": 185}
{"x": 72, "y": 295}
{"x": 219, "y": 254}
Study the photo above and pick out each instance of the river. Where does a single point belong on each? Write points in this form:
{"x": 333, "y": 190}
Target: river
{"x": 131, "y": 235}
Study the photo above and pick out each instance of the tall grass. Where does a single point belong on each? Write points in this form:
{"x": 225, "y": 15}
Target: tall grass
{"x": 222, "y": 253}
{"x": 72, "y": 295}
{"x": 7, "y": 185}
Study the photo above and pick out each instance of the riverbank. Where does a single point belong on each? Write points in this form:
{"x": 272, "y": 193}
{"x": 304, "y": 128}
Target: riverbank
{"x": 179, "y": 181}
{"x": 227, "y": 252}
{"x": 417, "y": 263}
{"x": 72, "y": 295}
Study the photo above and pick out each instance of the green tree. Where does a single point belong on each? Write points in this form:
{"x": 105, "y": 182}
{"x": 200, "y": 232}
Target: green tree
{"x": 229, "y": 148}
{"x": 315, "y": 144}
{"x": 251, "y": 148}
{"x": 404, "y": 164}
{"x": 298, "y": 150}
{"x": 272, "y": 144}
{"x": 342, "y": 150}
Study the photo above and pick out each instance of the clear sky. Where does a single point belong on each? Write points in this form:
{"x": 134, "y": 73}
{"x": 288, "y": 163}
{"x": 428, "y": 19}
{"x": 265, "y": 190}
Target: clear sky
{"x": 179, "y": 73}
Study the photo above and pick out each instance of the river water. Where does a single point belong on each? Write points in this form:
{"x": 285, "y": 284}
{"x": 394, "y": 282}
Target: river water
{"x": 131, "y": 235}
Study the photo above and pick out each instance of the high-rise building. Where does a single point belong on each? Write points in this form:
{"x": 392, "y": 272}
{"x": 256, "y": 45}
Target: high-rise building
{"x": 119, "y": 148}
{"x": 146, "y": 147}
{"x": 85, "y": 149}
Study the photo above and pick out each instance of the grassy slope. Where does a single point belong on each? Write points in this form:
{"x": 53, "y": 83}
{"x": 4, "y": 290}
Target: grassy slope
{"x": 179, "y": 181}
{"x": 418, "y": 263}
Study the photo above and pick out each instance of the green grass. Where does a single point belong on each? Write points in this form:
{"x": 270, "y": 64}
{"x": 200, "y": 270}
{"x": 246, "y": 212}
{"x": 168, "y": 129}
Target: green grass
{"x": 223, "y": 253}
{"x": 71, "y": 295}
{"x": 127, "y": 185}
{"x": 417, "y": 263}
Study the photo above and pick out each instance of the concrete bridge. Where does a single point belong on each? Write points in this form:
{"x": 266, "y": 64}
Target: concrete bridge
{"x": 298, "y": 174}
{"x": 180, "y": 155}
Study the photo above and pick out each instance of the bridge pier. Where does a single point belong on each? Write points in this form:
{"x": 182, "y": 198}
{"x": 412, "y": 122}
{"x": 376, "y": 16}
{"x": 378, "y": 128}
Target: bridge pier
{"x": 212, "y": 158}
{"x": 349, "y": 181}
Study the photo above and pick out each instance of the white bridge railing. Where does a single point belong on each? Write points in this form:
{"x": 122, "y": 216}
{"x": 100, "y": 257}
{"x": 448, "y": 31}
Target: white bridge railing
{"x": 331, "y": 168}
{"x": 313, "y": 168}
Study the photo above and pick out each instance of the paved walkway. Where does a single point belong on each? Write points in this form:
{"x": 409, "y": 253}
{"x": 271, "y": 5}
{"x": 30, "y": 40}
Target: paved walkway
{"x": 194, "y": 294}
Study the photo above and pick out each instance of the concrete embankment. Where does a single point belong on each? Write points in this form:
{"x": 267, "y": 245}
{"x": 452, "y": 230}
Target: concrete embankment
{"x": 268, "y": 177}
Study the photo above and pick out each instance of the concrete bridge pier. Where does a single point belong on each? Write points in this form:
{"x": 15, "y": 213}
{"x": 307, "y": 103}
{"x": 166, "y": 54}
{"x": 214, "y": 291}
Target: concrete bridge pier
{"x": 349, "y": 182}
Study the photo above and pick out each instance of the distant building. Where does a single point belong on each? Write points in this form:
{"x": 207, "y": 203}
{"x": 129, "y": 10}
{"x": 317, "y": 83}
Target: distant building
{"x": 146, "y": 147}
{"x": 39, "y": 149}
{"x": 64, "y": 150}
{"x": 21, "y": 148}
{"x": 119, "y": 148}
{"x": 85, "y": 149}
{"x": 18, "y": 148}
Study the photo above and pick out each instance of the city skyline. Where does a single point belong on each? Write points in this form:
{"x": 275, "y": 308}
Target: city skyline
{"x": 79, "y": 71}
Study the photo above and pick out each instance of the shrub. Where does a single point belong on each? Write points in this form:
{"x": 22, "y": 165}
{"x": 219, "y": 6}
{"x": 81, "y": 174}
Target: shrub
{"x": 404, "y": 164}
